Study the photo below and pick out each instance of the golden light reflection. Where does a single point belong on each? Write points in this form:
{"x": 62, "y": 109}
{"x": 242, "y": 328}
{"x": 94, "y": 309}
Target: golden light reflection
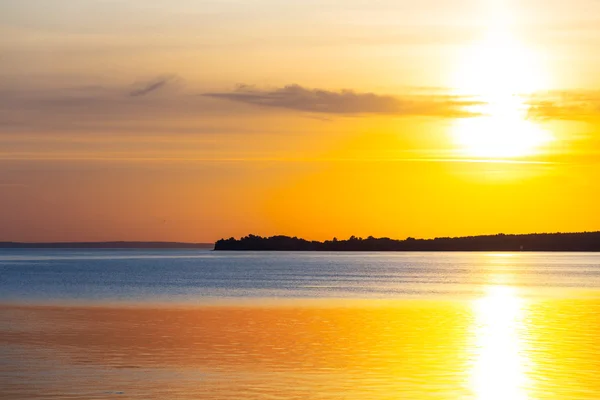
{"x": 498, "y": 71}
{"x": 499, "y": 370}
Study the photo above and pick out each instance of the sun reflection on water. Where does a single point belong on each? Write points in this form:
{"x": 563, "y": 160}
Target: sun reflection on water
{"x": 499, "y": 370}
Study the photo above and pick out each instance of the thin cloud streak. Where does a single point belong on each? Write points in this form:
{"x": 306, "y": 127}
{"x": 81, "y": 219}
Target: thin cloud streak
{"x": 349, "y": 102}
{"x": 153, "y": 86}
{"x": 12, "y": 185}
{"x": 574, "y": 105}
{"x": 95, "y": 158}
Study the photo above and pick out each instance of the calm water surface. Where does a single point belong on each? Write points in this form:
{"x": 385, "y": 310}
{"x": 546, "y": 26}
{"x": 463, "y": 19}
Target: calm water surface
{"x": 210, "y": 325}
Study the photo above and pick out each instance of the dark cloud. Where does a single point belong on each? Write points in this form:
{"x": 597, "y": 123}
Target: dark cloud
{"x": 153, "y": 86}
{"x": 349, "y": 102}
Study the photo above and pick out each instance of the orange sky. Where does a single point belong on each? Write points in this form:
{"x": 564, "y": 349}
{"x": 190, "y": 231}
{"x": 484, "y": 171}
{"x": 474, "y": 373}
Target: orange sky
{"x": 196, "y": 120}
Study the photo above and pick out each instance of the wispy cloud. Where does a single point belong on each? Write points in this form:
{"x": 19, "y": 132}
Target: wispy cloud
{"x": 146, "y": 106}
{"x": 155, "y": 85}
{"x": 573, "y": 105}
{"x": 349, "y": 102}
{"x": 12, "y": 185}
{"x": 164, "y": 105}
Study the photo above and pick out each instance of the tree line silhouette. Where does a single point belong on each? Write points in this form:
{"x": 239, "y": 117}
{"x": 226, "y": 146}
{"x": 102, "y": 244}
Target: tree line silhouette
{"x": 580, "y": 241}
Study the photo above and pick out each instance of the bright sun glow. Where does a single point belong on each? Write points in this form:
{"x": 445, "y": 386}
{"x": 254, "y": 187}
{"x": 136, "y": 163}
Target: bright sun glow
{"x": 499, "y": 136}
{"x": 498, "y": 71}
{"x": 499, "y": 368}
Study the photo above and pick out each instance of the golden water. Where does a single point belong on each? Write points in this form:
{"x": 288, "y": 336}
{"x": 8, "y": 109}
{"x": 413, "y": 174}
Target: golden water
{"x": 498, "y": 346}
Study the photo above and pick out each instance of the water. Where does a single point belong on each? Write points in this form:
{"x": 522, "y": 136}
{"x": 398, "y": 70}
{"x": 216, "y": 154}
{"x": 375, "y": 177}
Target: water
{"x": 187, "y": 324}
{"x": 191, "y": 276}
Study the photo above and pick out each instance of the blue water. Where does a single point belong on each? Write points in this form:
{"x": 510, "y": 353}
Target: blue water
{"x": 190, "y": 276}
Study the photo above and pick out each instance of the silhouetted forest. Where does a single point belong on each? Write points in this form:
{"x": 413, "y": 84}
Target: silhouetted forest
{"x": 582, "y": 241}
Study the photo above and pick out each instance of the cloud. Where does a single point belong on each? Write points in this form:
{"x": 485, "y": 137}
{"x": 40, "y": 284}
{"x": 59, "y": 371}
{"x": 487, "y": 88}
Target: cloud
{"x": 156, "y": 106}
{"x": 349, "y": 102}
{"x": 575, "y": 105}
{"x": 153, "y": 86}
{"x": 12, "y": 186}
{"x": 162, "y": 106}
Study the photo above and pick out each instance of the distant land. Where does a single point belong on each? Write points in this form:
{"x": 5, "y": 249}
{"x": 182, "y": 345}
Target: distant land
{"x": 580, "y": 241}
{"x": 106, "y": 245}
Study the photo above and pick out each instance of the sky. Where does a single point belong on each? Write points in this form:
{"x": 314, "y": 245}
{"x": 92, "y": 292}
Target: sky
{"x": 195, "y": 120}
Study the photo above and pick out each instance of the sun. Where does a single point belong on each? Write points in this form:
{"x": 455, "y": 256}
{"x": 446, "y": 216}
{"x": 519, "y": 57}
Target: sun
{"x": 499, "y": 72}
{"x": 499, "y": 136}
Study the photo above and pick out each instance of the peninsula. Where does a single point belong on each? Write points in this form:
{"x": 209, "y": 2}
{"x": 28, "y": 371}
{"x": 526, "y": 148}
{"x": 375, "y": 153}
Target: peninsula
{"x": 580, "y": 241}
